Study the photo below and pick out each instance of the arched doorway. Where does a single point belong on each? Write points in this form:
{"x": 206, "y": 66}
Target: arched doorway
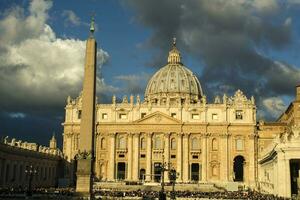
{"x": 121, "y": 171}
{"x": 142, "y": 174}
{"x": 238, "y": 168}
{"x": 195, "y": 172}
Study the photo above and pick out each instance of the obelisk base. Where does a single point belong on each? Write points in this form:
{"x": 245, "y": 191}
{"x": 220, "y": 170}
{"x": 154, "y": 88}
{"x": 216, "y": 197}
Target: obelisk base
{"x": 84, "y": 177}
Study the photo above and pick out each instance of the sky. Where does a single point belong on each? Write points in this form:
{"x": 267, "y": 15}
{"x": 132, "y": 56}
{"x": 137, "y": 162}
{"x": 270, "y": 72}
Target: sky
{"x": 252, "y": 45}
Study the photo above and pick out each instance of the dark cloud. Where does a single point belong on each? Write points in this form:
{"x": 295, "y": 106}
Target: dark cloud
{"x": 229, "y": 38}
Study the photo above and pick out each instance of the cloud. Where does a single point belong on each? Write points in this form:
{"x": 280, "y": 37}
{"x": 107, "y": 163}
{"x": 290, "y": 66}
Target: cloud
{"x": 17, "y": 115}
{"x": 38, "y": 70}
{"x": 133, "y": 84}
{"x": 71, "y": 18}
{"x": 229, "y": 37}
{"x": 274, "y": 106}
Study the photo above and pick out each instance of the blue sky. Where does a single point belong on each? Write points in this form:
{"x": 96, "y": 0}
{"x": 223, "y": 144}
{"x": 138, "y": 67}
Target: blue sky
{"x": 251, "y": 45}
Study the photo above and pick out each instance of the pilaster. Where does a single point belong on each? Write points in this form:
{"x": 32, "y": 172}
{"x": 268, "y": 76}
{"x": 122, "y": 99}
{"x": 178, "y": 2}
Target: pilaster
{"x": 129, "y": 157}
{"x": 204, "y": 156}
{"x": 149, "y": 158}
{"x": 136, "y": 147}
{"x": 185, "y": 157}
{"x": 179, "y": 157}
{"x": 167, "y": 154}
{"x": 111, "y": 160}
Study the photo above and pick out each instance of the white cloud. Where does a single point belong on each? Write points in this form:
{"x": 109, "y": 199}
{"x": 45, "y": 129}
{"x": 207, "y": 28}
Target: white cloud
{"x": 36, "y": 67}
{"x": 71, "y": 17}
{"x": 274, "y": 106}
{"x": 17, "y": 115}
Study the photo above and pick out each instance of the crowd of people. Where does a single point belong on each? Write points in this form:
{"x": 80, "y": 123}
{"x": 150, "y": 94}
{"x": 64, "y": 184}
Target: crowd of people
{"x": 253, "y": 195}
{"x": 67, "y": 193}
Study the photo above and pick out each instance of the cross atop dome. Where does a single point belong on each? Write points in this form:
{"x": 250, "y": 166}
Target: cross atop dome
{"x": 92, "y": 26}
{"x": 174, "y": 55}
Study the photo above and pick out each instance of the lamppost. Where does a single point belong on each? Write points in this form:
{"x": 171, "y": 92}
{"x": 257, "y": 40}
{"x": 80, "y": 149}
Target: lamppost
{"x": 31, "y": 171}
{"x": 172, "y": 177}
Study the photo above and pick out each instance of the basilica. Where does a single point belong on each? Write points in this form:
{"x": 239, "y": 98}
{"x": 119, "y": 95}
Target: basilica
{"x": 174, "y": 124}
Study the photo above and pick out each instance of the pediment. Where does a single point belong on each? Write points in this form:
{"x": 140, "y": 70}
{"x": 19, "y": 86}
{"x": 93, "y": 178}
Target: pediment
{"x": 158, "y": 118}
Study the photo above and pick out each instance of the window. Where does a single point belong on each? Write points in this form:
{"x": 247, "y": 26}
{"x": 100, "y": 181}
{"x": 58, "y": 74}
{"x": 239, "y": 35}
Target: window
{"x": 195, "y": 116}
{"x": 79, "y": 114}
{"x": 122, "y": 143}
{"x": 122, "y": 116}
{"x": 121, "y": 156}
{"x": 173, "y": 143}
{"x": 103, "y": 143}
{"x": 143, "y": 115}
{"x": 143, "y": 156}
{"x": 239, "y": 145}
{"x": 214, "y": 171}
{"x": 173, "y": 156}
{"x": 173, "y": 115}
{"x": 104, "y": 115}
{"x": 143, "y": 144}
{"x": 215, "y": 116}
{"x": 239, "y": 114}
{"x": 195, "y": 144}
{"x": 157, "y": 143}
{"x": 195, "y": 157}
{"x": 214, "y": 144}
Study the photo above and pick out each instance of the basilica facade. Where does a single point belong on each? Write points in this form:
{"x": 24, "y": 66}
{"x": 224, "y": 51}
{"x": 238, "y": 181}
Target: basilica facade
{"x": 175, "y": 125}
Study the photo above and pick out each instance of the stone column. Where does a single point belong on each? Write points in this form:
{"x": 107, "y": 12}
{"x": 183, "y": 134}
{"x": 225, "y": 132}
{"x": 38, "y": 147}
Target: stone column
{"x": 252, "y": 157}
{"x": 149, "y": 158}
{"x": 111, "y": 160}
{"x": 129, "y": 157}
{"x": 204, "y": 157}
{"x": 136, "y": 153}
{"x": 167, "y": 154}
{"x": 179, "y": 157}
{"x": 185, "y": 158}
{"x": 224, "y": 172}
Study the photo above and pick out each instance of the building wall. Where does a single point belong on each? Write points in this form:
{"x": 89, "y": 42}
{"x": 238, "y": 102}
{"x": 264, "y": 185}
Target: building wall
{"x": 16, "y": 157}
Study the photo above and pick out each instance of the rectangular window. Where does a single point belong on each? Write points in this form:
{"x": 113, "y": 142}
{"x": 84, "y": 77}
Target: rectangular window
{"x": 215, "y": 116}
{"x": 195, "y": 116}
{"x": 195, "y": 157}
{"x": 239, "y": 114}
{"x": 79, "y": 114}
{"x": 173, "y": 115}
{"x": 143, "y": 156}
{"x": 143, "y": 115}
{"x": 173, "y": 156}
{"x": 121, "y": 156}
{"x": 122, "y": 116}
{"x": 104, "y": 115}
{"x": 239, "y": 145}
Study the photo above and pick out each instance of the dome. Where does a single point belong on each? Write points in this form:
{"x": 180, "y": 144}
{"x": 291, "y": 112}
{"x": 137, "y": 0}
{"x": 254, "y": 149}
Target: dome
{"x": 173, "y": 81}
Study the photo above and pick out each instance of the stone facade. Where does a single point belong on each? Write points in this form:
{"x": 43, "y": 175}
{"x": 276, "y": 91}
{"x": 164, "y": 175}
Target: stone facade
{"x": 17, "y": 156}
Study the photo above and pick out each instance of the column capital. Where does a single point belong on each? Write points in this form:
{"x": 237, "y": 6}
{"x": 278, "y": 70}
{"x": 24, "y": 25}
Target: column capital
{"x": 224, "y": 135}
{"x": 205, "y": 135}
{"x": 136, "y": 134}
{"x": 186, "y": 135}
{"x": 167, "y": 135}
{"x": 252, "y": 136}
{"x": 179, "y": 134}
{"x": 150, "y": 134}
{"x": 112, "y": 135}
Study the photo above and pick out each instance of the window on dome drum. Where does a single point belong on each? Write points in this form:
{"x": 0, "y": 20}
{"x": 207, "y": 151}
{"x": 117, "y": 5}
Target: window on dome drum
{"x": 215, "y": 116}
{"x": 239, "y": 114}
{"x": 143, "y": 115}
{"x": 173, "y": 115}
{"x": 239, "y": 144}
{"x": 195, "y": 116}
{"x": 79, "y": 114}
{"x": 104, "y": 115}
{"x": 122, "y": 116}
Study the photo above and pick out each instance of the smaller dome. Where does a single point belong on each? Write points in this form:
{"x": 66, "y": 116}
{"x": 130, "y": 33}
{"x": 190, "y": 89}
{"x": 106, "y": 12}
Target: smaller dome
{"x": 173, "y": 82}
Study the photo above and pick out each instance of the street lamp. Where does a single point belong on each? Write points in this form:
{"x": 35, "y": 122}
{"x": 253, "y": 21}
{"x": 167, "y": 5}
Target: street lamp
{"x": 31, "y": 171}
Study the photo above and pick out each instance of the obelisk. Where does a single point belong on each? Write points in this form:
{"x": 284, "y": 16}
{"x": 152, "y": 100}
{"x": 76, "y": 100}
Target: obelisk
{"x": 85, "y": 156}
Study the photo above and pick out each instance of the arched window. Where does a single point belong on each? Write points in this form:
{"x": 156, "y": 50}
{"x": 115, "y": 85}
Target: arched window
{"x": 173, "y": 143}
{"x": 157, "y": 143}
{"x": 103, "y": 143}
{"x": 143, "y": 144}
{"x": 214, "y": 144}
{"x": 122, "y": 143}
{"x": 195, "y": 144}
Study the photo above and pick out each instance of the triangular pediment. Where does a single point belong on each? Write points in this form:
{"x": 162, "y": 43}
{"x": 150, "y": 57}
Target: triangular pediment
{"x": 158, "y": 118}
